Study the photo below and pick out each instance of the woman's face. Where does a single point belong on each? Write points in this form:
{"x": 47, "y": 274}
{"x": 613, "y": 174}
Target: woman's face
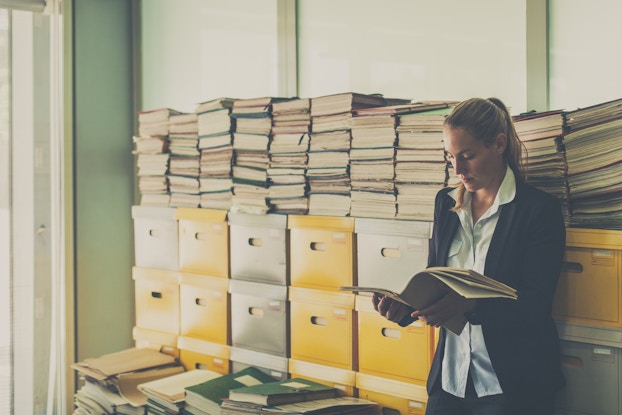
{"x": 479, "y": 167}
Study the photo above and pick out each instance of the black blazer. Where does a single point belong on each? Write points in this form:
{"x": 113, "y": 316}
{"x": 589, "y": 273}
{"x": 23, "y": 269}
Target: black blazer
{"x": 526, "y": 252}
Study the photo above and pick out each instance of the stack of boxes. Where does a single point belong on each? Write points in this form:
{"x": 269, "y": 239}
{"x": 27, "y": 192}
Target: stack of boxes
{"x": 588, "y": 309}
{"x": 223, "y": 291}
{"x": 227, "y": 290}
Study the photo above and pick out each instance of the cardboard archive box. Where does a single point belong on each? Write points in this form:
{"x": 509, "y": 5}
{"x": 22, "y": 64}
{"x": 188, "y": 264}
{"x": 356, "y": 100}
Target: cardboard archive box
{"x": 321, "y": 251}
{"x": 204, "y": 308}
{"x": 258, "y": 247}
{"x": 156, "y": 299}
{"x": 156, "y": 240}
{"x": 203, "y": 241}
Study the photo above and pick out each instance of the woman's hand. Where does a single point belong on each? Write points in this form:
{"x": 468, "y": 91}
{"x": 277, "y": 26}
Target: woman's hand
{"x": 442, "y": 310}
{"x": 390, "y": 309}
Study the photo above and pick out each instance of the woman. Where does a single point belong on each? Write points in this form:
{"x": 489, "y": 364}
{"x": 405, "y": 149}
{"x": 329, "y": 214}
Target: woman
{"x": 506, "y": 360}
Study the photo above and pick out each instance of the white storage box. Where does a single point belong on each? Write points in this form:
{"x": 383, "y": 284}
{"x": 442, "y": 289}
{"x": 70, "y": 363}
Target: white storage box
{"x": 156, "y": 239}
{"x": 258, "y": 247}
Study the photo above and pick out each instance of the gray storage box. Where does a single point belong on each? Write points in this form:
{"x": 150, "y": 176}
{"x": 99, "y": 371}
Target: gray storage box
{"x": 156, "y": 237}
{"x": 258, "y": 247}
{"x": 259, "y": 317}
{"x": 389, "y": 251}
{"x": 275, "y": 366}
{"x": 592, "y": 379}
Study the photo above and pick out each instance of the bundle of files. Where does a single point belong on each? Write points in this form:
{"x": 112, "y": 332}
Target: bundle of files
{"x": 110, "y": 381}
{"x": 215, "y": 129}
{"x": 544, "y": 158}
{"x": 372, "y": 159}
{"x": 328, "y": 173}
{"x": 287, "y": 191}
{"x": 251, "y": 140}
{"x": 421, "y": 168}
{"x": 594, "y": 158}
{"x": 293, "y": 396}
{"x": 185, "y": 160}
{"x": 167, "y": 395}
{"x": 152, "y": 156}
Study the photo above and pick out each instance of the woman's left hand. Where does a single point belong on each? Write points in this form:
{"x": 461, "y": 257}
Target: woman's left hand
{"x": 442, "y": 310}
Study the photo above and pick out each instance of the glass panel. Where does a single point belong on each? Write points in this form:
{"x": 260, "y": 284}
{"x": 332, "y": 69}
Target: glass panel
{"x": 6, "y": 375}
{"x": 449, "y": 49}
{"x": 220, "y": 49}
{"x": 584, "y": 52}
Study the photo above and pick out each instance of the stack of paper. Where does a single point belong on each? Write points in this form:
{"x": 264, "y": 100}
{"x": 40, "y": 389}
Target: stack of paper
{"x": 112, "y": 380}
{"x": 544, "y": 159}
{"x": 420, "y": 166}
{"x": 287, "y": 173}
{"x": 168, "y": 395}
{"x": 372, "y": 159}
{"x": 251, "y": 140}
{"x": 594, "y": 159}
{"x": 206, "y": 398}
{"x": 184, "y": 162}
{"x": 291, "y": 116}
{"x": 151, "y": 148}
{"x": 215, "y": 127}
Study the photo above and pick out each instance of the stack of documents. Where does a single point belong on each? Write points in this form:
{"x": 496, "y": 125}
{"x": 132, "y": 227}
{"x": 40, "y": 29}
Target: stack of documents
{"x": 594, "y": 158}
{"x": 215, "y": 128}
{"x": 151, "y": 148}
{"x": 111, "y": 380}
{"x": 372, "y": 159}
{"x": 544, "y": 160}
{"x": 421, "y": 168}
{"x": 251, "y": 140}
{"x": 287, "y": 173}
{"x": 291, "y": 116}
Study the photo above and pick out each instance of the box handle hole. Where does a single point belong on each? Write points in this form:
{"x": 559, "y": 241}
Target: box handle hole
{"x": 255, "y": 312}
{"x": 391, "y": 333}
{"x": 390, "y": 253}
{"x": 201, "y": 302}
{"x": 154, "y": 232}
{"x": 201, "y": 236}
{"x": 573, "y": 267}
{"x": 572, "y": 362}
{"x": 255, "y": 241}
{"x": 156, "y": 294}
{"x": 318, "y": 246}
{"x": 318, "y": 321}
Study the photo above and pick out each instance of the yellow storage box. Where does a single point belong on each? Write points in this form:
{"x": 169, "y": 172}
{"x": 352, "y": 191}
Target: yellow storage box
{"x": 157, "y": 299}
{"x": 203, "y": 241}
{"x": 157, "y": 340}
{"x": 323, "y": 327}
{"x": 321, "y": 251}
{"x": 589, "y": 289}
{"x": 199, "y": 354}
{"x": 204, "y": 308}
{"x": 391, "y": 351}
{"x": 393, "y": 396}
{"x": 343, "y": 380}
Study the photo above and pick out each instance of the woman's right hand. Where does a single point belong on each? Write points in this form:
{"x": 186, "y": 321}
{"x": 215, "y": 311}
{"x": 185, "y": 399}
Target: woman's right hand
{"x": 390, "y": 309}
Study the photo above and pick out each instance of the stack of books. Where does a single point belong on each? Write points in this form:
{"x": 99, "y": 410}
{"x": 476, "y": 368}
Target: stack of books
{"x": 544, "y": 159}
{"x": 152, "y": 156}
{"x": 293, "y": 396}
{"x": 421, "y": 168}
{"x": 206, "y": 398}
{"x": 185, "y": 160}
{"x": 110, "y": 381}
{"x": 215, "y": 129}
{"x": 372, "y": 159}
{"x": 251, "y": 140}
{"x": 291, "y": 122}
{"x": 594, "y": 159}
{"x": 167, "y": 395}
{"x": 328, "y": 173}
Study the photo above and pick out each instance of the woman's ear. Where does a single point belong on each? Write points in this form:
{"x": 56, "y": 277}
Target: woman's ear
{"x": 501, "y": 142}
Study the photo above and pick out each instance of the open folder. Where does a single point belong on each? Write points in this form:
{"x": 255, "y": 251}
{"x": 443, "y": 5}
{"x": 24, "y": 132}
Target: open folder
{"x": 429, "y": 285}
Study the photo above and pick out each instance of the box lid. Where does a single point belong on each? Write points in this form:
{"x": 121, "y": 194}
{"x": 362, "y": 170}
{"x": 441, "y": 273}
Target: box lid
{"x": 203, "y": 347}
{"x": 594, "y": 238}
{"x": 394, "y": 227}
{"x": 254, "y": 358}
{"x": 204, "y": 281}
{"x": 391, "y": 387}
{"x": 322, "y": 372}
{"x": 200, "y": 214}
{"x": 160, "y": 275}
{"x": 267, "y": 221}
{"x": 258, "y": 289}
{"x": 336, "y": 223}
{"x": 311, "y": 295}
{"x": 154, "y": 212}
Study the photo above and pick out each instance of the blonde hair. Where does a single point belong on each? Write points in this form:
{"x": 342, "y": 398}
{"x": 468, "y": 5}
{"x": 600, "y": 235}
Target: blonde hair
{"x": 485, "y": 119}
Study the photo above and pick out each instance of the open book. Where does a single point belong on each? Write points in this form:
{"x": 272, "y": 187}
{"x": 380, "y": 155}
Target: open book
{"x": 429, "y": 285}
